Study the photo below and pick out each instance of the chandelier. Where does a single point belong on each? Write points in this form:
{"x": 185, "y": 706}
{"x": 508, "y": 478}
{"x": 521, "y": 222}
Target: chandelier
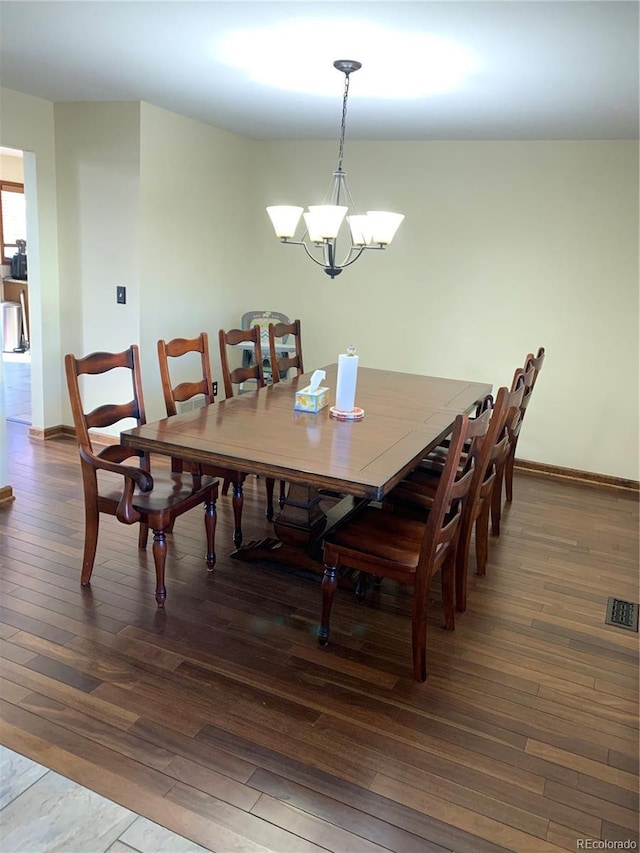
{"x": 372, "y": 230}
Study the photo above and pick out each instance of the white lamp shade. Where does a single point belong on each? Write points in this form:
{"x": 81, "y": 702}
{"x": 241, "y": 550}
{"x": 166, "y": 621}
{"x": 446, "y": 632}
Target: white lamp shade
{"x": 384, "y": 225}
{"x": 324, "y": 221}
{"x": 360, "y": 226}
{"x": 284, "y": 218}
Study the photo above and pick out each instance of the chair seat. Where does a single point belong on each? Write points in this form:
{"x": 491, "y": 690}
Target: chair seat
{"x": 169, "y": 491}
{"x": 381, "y": 539}
{"x": 418, "y": 488}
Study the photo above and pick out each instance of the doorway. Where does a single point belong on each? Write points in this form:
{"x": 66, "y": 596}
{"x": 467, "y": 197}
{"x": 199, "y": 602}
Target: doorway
{"x": 16, "y": 370}
{"x": 16, "y": 355}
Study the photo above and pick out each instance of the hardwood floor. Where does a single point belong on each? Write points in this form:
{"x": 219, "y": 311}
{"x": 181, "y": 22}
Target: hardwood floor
{"x": 222, "y": 720}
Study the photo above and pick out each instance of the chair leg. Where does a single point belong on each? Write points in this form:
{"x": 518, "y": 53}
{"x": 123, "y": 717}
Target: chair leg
{"x": 496, "y": 501}
{"x": 270, "y": 483}
{"x": 508, "y": 472}
{"x": 329, "y": 584}
{"x": 91, "y": 524}
{"x": 210, "y": 519}
{"x": 237, "y": 503}
{"x": 361, "y": 586}
{"x": 482, "y": 539}
{"x": 447, "y": 573}
{"x": 283, "y": 494}
{"x": 143, "y": 536}
{"x": 419, "y": 632}
{"x": 462, "y": 563}
{"x": 160, "y": 559}
{"x": 225, "y": 486}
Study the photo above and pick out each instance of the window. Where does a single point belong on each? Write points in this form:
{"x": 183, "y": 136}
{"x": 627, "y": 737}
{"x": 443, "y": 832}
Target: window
{"x": 13, "y": 220}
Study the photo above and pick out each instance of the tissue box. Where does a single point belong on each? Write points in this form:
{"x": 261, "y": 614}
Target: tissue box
{"x": 311, "y": 401}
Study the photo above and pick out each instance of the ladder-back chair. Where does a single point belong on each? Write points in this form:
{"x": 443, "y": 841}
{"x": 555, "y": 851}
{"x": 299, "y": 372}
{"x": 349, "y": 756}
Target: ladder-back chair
{"x": 282, "y": 362}
{"x": 185, "y": 390}
{"x": 408, "y": 548}
{"x": 133, "y": 495}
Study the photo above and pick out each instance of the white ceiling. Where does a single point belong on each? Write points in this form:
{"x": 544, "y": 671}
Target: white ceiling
{"x": 541, "y": 70}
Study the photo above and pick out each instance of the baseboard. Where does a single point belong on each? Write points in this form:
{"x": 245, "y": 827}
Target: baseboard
{"x": 587, "y": 478}
{"x": 63, "y": 431}
{"x": 6, "y": 495}
{"x": 60, "y": 431}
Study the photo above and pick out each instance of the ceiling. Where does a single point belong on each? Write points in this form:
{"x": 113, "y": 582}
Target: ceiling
{"x": 535, "y": 70}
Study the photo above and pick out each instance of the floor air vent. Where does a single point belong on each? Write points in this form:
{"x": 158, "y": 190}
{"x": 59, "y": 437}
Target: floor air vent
{"x": 622, "y": 614}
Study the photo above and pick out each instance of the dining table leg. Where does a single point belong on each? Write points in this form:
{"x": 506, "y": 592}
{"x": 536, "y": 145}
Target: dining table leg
{"x": 299, "y": 529}
{"x": 302, "y": 519}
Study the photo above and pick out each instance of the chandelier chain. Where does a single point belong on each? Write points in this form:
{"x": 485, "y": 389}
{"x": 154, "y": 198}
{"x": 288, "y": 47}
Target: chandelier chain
{"x": 343, "y": 123}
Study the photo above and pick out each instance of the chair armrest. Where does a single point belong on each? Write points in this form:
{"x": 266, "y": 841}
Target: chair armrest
{"x": 118, "y": 453}
{"x": 125, "y": 512}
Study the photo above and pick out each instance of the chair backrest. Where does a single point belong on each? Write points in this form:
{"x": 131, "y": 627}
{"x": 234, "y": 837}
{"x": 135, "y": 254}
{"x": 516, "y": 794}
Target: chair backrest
{"x": 527, "y": 377}
{"x": 183, "y": 391}
{"x": 535, "y": 361}
{"x": 109, "y": 414}
{"x": 104, "y": 415}
{"x": 513, "y": 407}
{"x": 453, "y": 489}
{"x": 483, "y": 432}
{"x": 237, "y": 375}
{"x": 496, "y": 443}
{"x": 281, "y": 363}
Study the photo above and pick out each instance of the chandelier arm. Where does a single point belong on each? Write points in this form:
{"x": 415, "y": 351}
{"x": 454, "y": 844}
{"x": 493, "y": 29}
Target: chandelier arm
{"x": 320, "y": 263}
{"x": 351, "y": 257}
{"x": 289, "y": 242}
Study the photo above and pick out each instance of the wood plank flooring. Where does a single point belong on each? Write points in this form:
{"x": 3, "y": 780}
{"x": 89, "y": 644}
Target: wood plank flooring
{"x": 222, "y": 720}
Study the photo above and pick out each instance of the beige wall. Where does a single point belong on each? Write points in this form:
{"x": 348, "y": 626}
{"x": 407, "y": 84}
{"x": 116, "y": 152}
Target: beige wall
{"x": 11, "y": 168}
{"x": 506, "y": 246}
{"x": 98, "y": 168}
{"x": 195, "y": 235}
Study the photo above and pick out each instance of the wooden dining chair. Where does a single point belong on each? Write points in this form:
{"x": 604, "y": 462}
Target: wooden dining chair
{"x": 283, "y": 362}
{"x": 419, "y": 488}
{"x": 409, "y": 548}
{"x": 532, "y": 367}
{"x": 196, "y": 351}
{"x": 234, "y": 378}
{"x": 135, "y": 496}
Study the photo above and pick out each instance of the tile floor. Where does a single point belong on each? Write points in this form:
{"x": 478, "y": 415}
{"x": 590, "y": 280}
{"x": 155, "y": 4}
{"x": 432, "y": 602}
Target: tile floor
{"x": 42, "y": 812}
{"x": 17, "y": 386}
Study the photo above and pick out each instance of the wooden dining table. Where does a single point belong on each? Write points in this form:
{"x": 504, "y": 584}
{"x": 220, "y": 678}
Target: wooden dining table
{"x": 405, "y": 416}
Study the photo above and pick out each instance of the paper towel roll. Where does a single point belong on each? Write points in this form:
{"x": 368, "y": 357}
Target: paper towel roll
{"x": 347, "y": 378}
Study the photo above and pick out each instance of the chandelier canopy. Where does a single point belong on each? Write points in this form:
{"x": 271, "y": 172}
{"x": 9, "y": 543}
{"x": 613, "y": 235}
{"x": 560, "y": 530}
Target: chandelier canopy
{"x": 372, "y": 230}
